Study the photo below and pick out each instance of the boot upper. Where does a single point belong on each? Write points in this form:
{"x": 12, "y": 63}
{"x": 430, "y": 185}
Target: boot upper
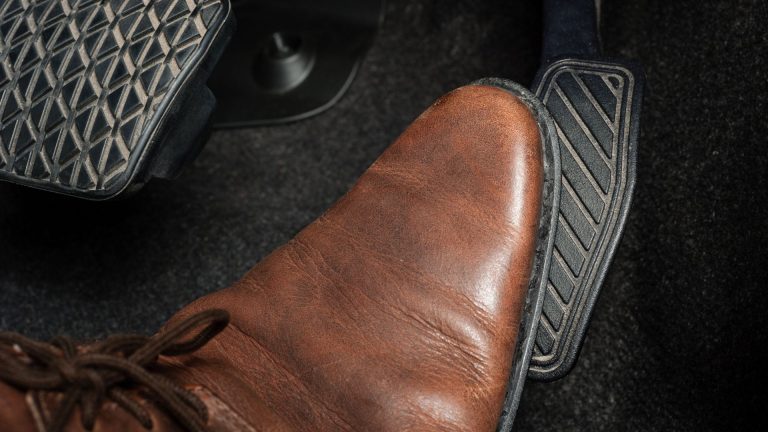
{"x": 397, "y": 309}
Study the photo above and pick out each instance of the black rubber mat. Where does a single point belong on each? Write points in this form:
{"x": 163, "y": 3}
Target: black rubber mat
{"x": 91, "y": 90}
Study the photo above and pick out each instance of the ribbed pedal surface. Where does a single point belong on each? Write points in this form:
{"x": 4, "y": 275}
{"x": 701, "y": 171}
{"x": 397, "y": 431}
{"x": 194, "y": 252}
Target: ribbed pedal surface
{"x": 595, "y": 106}
{"x": 81, "y": 82}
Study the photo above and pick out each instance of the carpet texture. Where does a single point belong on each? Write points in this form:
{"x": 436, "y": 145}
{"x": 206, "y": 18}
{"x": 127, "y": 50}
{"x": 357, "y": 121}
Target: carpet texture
{"x": 678, "y": 335}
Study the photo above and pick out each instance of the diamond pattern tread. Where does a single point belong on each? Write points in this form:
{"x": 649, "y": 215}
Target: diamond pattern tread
{"x": 596, "y": 107}
{"x": 86, "y": 86}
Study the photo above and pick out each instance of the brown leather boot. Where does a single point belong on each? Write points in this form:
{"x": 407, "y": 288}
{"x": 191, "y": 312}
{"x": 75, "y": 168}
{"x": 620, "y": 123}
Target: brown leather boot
{"x": 406, "y": 306}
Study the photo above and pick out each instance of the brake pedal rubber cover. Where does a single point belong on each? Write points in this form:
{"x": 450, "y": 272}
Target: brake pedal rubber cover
{"x": 93, "y": 91}
{"x": 596, "y": 107}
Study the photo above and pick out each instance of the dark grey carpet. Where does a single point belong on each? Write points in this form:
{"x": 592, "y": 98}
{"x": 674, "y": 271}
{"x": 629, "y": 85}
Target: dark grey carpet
{"x": 678, "y": 334}
{"x": 678, "y": 337}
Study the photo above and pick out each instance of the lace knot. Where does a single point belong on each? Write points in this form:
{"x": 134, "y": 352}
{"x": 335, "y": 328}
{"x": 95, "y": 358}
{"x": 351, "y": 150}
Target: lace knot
{"x": 107, "y": 368}
{"x": 68, "y": 372}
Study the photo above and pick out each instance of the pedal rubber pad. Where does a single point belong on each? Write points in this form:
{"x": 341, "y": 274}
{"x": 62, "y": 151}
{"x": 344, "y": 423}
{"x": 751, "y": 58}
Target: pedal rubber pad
{"x": 98, "y": 96}
{"x": 596, "y": 108}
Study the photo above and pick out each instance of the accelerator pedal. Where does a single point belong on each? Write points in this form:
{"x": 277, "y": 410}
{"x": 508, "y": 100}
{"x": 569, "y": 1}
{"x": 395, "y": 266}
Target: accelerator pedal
{"x": 596, "y": 108}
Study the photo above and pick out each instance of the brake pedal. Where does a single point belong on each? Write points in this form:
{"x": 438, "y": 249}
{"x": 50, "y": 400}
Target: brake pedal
{"x": 97, "y": 97}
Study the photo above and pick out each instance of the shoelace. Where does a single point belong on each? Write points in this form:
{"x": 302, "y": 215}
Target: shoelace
{"x": 104, "y": 371}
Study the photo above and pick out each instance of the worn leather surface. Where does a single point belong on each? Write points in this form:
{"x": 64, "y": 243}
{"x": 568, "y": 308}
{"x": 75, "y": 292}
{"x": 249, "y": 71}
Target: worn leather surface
{"x": 398, "y": 309}
{"x": 14, "y": 413}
